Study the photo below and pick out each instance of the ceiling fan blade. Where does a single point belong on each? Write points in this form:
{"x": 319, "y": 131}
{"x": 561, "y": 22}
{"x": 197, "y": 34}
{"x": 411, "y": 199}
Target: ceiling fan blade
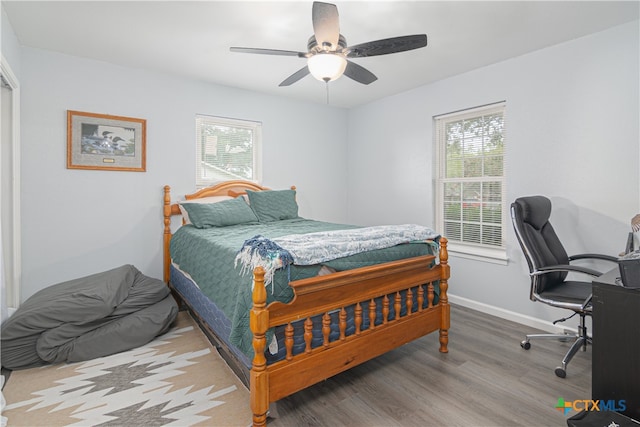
{"x": 359, "y": 74}
{"x": 268, "y": 51}
{"x": 326, "y": 24}
{"x": 386, "y": 46}
{"x": 302, "y": 72}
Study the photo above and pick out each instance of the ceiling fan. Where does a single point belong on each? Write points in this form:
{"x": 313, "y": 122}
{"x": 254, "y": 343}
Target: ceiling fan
{"x": 327, "y": 51}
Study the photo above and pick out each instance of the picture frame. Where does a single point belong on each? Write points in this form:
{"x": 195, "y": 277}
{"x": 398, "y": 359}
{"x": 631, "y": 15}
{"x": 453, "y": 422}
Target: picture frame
{"x": 105, "y": 142}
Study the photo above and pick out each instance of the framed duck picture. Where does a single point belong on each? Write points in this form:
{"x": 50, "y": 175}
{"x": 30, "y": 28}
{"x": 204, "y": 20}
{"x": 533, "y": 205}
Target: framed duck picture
{"x": 105, "y": 142}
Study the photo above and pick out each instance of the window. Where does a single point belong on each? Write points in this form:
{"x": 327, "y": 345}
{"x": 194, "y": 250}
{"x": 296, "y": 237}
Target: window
{"x": 227, "y": 149}
{"x": 470, "y": 184}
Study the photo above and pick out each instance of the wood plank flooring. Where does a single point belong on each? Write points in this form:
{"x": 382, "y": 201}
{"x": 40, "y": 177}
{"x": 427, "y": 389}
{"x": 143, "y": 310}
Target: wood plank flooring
{"x": 486, "y": 379}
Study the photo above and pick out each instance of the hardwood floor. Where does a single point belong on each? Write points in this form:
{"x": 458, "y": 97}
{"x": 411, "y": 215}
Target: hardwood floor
{"x": 486, "y": 379}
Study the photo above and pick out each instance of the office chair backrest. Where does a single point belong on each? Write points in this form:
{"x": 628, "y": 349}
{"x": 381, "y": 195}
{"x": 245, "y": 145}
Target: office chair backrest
{"x": 538, "y": 240}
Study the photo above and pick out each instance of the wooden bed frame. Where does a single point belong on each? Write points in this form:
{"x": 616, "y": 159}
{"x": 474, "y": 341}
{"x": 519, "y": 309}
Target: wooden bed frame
{"x": 323, "y": 294}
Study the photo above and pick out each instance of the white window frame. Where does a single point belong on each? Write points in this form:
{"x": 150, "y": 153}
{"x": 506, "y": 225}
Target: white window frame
{"x": 256, "y": 129}
{"x": 477, "y": 251}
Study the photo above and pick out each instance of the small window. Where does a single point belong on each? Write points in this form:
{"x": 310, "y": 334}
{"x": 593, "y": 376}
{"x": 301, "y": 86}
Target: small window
{"x": 227, "y": 149}
{"x": 470, "y": 184}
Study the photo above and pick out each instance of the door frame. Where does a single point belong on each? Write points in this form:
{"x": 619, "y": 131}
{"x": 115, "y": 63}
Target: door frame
{"x": 13, "y": 297}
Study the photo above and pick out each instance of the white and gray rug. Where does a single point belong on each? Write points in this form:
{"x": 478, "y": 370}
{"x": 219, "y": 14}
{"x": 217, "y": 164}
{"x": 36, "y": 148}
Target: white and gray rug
{"x": 178, "y": 379}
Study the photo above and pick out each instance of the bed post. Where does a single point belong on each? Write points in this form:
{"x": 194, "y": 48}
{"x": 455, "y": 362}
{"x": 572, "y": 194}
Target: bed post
{"x": 259, "y": 321}
{"x": 444, "y": 299}
{"x": 167, "y": 233}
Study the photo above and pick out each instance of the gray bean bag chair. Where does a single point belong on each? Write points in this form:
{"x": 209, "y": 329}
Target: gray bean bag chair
{"x": 85, "y": 318}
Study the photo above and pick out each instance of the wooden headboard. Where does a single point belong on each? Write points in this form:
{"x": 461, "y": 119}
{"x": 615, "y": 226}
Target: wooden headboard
{"x": 227, "y": 188}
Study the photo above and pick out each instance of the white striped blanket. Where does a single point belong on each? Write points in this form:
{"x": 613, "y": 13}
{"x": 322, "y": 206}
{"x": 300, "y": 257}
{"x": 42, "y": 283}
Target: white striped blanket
{"x": 319, "y": 247}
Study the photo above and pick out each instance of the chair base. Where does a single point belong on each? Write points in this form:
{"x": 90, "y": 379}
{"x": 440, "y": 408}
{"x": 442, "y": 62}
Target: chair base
{"x": 581, "y": 341}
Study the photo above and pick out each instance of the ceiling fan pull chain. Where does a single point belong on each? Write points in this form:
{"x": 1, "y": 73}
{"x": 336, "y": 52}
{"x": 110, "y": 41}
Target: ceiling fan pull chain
{"x": 326, "y": 82}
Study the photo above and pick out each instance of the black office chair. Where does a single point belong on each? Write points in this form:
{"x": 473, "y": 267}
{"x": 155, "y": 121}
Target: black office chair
{"x": 549, "y": 266}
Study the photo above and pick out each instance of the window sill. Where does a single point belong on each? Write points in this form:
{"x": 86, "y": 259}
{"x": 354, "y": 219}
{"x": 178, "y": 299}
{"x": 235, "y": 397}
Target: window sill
{"x": 494, "y": 256}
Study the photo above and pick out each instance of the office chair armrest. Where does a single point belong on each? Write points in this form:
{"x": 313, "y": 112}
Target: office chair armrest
{"x": 568, "y": 268}
{"x": 594, "y": 256}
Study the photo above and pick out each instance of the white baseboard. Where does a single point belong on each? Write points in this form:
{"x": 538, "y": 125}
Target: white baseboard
{"x": 522, "y": 319}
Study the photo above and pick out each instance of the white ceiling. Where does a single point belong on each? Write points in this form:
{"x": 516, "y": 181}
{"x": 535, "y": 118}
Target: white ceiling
{"x": 192, "y": 39}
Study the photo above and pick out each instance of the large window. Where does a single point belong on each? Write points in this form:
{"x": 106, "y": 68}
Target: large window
{"x": 470, "y": 185}
{"x": 227, "y": 149}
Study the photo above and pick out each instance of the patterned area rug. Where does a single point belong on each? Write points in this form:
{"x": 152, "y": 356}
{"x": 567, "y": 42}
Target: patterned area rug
{"x": 178, "y": 379}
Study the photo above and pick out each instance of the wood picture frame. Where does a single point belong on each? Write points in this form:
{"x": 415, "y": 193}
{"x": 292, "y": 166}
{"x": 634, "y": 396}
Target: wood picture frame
{"x": 105, "y": 142}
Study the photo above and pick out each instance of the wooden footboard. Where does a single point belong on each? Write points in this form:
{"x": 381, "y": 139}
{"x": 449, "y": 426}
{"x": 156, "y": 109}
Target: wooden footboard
{"x": 360, "y": 288}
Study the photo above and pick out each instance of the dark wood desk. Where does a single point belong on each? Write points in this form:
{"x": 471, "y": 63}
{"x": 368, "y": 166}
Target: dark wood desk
{"x": 616, "y": 343}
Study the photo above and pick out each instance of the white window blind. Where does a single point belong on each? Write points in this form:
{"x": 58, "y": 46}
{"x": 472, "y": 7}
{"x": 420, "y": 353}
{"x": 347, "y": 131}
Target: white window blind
{"x": 227, "y": 149}
{"x": 470, "y": 184}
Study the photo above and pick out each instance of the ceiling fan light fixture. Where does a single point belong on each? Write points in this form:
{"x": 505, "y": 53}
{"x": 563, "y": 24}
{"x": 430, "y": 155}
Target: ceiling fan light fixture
{"x": 327, "y": 49}
{"x": 326, "y": 67}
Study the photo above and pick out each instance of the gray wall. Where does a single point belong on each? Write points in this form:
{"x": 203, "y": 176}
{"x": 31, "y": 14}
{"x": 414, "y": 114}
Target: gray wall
{"x": 78, "y": 222}
{"x": 572, "y": 134}
{"x": 9, "y": 43}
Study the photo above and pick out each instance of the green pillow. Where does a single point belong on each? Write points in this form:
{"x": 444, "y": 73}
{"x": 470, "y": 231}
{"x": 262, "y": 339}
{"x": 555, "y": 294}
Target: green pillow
{"x": 221, "y": 214}
{"x": 273, "y": 205}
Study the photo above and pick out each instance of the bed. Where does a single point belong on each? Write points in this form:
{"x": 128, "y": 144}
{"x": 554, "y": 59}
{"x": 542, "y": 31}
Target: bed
{"x": 285, "y": 329}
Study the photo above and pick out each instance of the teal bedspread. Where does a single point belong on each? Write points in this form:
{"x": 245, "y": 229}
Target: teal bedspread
{"x": 208, "y": 255}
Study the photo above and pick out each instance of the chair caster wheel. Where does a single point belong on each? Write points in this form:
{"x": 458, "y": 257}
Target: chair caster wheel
{"x": 525, "y": 344}
{"x": 561, "y": 373}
